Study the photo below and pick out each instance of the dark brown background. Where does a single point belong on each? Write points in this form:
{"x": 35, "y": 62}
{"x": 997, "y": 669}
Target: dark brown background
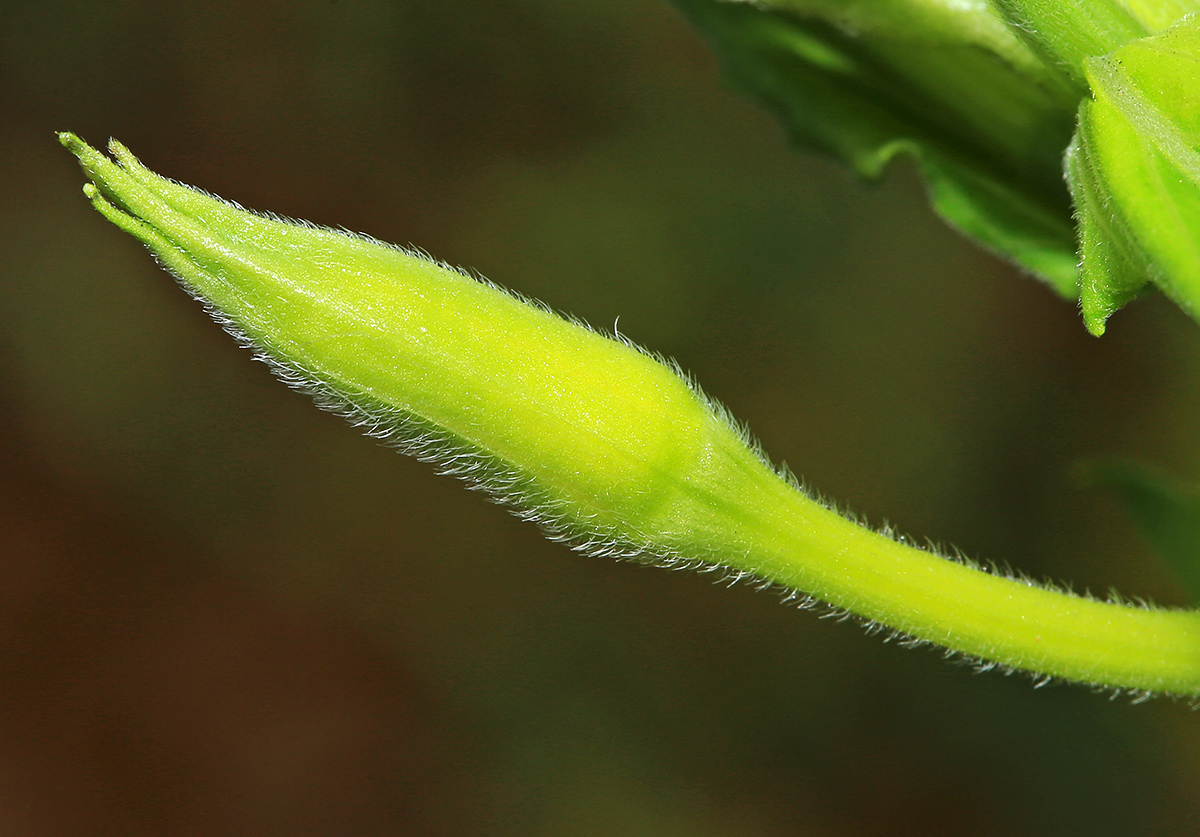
{"x": 224, "y": 612}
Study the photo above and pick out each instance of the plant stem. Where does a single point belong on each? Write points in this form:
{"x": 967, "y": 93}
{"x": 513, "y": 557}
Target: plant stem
{"x": 1009, "y": 621}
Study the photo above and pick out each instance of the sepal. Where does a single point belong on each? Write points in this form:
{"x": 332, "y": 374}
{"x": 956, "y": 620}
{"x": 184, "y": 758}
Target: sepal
{"x": 1134, "y": 172}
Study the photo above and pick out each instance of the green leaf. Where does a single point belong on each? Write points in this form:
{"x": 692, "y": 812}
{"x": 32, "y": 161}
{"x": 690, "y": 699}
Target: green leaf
{"x": 1134, "y": 171}
{"x": 947, "y": 83}
{"x": 1165, "y": 509}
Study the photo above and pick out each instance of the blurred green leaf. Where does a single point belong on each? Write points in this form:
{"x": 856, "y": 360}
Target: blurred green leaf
{"x": 949, "y": 84}
{"x": 1165, "y": 509}
{"x": 1134, "y": 168}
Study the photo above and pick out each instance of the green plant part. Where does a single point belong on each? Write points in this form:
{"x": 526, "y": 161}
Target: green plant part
{"x": 604, "y": 445}
{"x": 1164, "y": 508}
{"x": 984, "y": 96}
{"x": 1068, "y": 32}
{"x": 1134, "y": 168}
{"x": 948, "y": 84}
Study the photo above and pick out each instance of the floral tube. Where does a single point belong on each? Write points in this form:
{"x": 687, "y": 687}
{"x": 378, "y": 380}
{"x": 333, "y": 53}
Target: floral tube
{"x": 606, "y": 446}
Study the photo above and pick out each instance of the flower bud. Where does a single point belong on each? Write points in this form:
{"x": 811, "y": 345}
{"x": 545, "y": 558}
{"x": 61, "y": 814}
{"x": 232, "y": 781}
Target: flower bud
{"x": 604, "y": 445}
{"x": 592, "y": 437}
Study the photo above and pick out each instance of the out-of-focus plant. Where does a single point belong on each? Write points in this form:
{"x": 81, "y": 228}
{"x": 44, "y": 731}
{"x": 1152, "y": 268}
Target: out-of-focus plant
{"x": 613, "y": 450}
{"x": 990, "y": 98}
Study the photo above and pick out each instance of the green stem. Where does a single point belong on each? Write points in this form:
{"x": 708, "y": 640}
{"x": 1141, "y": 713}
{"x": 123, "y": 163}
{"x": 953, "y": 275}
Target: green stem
{"x": 1012, "y": 622}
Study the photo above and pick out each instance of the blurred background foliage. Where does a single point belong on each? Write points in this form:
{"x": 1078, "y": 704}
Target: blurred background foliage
{"x": 224, "y": 612}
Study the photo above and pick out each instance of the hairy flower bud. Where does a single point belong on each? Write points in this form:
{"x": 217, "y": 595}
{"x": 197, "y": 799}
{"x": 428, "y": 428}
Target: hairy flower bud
{"x": 594, "y": 438}
{"x": 603, "y": 444}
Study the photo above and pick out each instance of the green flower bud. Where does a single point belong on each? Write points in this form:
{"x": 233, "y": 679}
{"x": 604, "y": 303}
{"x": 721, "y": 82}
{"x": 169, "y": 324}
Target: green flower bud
{"x": 1134, "y": 169}
{"x": 594, "y": 438}
{"x": 605, "y": 445}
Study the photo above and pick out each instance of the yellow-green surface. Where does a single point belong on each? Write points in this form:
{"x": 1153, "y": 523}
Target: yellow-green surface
{"x": 605, "y": 445}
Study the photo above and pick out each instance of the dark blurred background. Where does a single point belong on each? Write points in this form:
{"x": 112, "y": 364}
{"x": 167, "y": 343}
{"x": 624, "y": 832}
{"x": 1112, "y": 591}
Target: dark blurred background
{"x": 225, "y": 612}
